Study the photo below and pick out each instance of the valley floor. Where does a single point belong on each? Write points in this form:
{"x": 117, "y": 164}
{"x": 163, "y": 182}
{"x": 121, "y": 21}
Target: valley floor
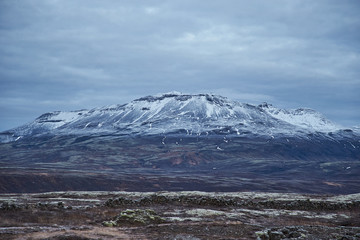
{"x": 178, "y": 215}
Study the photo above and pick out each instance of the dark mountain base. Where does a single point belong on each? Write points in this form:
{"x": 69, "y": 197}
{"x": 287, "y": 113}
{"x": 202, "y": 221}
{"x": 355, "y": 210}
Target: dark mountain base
{"x": 180, "y": 162}
{"x": 34, "y": 181}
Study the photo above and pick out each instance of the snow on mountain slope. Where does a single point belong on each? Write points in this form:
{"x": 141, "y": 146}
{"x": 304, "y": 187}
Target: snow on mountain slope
{"x": 199, "y": 114}
{"x": 302, "y": 117}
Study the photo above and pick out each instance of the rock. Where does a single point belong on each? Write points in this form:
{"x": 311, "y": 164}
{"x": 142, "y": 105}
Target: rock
{"x": 137, "y": 216}
{"x": 262, "y": 235}
{"x": 276, "y": 235}
{"x": 109, "y": 223}
{"x": 294, "y": 234}
{"x": 60, "y": 205}
{"x": 9, "y": 206}
{"x": 118, "y": 202}
{"x": 283, "y": 233}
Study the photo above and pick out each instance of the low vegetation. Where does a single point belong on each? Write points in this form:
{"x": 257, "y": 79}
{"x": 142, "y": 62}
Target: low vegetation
{"x": 178, "y": 215}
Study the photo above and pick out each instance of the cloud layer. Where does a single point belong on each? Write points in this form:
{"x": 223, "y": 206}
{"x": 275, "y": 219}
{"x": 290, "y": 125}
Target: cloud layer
{"x": 66, "y": 55}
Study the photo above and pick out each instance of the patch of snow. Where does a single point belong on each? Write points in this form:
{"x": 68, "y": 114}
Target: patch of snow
{"x": 305, "y": 118}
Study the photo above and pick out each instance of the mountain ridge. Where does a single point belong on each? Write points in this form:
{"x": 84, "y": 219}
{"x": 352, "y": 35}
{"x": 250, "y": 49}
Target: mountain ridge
{"x": 170, "y": 113}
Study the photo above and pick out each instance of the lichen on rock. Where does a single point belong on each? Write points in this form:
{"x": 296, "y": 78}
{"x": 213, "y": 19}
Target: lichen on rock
{"x": 135, "y": 216}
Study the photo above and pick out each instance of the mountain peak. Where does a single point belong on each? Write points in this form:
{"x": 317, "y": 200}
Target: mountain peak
{"x": 183, "y": 97}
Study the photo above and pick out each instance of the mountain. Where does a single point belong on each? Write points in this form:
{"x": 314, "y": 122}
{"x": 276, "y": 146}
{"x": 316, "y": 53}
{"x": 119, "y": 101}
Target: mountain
{"x": 181, "y": 142}
{"x": 176, "y": 113}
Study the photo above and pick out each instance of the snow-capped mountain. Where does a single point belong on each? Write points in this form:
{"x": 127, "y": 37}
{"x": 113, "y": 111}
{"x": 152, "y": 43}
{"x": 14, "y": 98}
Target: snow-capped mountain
{"x": 181, "y": 142}
{"x": 175, "y": 113}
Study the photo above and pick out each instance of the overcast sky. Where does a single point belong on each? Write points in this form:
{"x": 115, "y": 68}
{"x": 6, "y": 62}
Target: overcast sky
{"x": 75, "y": 54}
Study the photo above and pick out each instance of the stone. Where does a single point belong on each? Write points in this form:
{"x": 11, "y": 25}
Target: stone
{"x": 275, "y": 235}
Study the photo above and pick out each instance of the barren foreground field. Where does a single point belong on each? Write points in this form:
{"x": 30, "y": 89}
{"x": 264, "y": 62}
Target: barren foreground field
{"x": 178, "y": 215}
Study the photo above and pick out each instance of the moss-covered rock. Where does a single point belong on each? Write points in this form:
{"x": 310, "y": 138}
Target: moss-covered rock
{"x": 110, "y": 223}
{"x": 136, "y": 216}
{"x": 282, "y": 233}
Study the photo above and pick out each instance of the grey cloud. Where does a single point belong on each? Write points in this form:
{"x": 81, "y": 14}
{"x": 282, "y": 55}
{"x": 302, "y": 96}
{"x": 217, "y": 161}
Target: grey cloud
{"x": 75, "y": 54}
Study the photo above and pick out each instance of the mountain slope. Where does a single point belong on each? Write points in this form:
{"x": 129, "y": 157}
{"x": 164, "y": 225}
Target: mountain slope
{"x": 176, "y": 113}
